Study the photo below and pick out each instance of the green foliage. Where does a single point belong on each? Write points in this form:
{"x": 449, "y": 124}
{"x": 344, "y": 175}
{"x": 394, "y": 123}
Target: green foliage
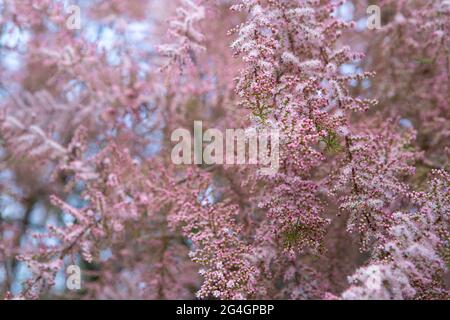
{"x": 424, "y": 60}
{"x": 261, "y": 114}
{"x": 294, "y": 235}
{"x": 332, "y": 142}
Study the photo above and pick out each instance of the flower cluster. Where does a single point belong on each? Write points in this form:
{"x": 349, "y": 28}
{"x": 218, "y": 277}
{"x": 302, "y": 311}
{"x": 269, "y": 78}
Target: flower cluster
{"x": 87, "y": 179}
{"x": 371, "y": 178}
{"x": 184, "y": 29}
{"x": 410, "y": 264}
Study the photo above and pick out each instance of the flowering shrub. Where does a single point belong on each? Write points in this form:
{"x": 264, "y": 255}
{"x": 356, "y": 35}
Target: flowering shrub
{"x": 359, "y": 208}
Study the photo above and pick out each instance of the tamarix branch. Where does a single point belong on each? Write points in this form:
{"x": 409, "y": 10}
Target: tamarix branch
{"x": 224, "y": 150}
